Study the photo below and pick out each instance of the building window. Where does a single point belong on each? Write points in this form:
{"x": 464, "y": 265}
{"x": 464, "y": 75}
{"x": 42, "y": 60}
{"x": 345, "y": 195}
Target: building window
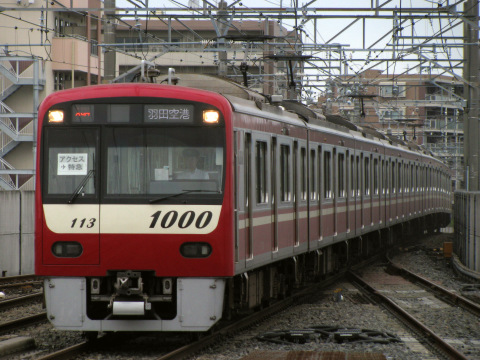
{"x": 391, "y": 89}
{"x": 387, "y": 115}
{"x": 59, "y": 80}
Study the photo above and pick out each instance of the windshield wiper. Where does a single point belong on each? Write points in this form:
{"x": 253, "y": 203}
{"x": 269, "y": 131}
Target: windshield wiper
{"x": 80, "y": 187}
{"x": 181, "y": 193}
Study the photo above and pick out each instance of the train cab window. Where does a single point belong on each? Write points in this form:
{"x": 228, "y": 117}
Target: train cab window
{"x": 173, "y": 162}
{"x": 327, "y": 175}
{"x": 261, "y": 172}
{"x": 70, "y": 162}
{"x": 285, "y": 191}
{"x": 341, "y": 175}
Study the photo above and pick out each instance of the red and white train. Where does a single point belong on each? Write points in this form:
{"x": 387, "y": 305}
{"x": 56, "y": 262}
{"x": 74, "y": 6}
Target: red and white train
{"x": 164, "y": 208}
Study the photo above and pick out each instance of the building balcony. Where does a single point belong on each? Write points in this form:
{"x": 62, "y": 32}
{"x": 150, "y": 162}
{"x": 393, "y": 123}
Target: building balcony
{"x": 70, "y": 54}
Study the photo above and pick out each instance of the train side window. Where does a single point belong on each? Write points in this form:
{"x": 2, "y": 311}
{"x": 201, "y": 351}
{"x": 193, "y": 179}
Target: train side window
{"x": 312, "y": 178}
{"x": 383, "y": 180}
{"x": 375, "y": 177}
{"x": 399, "y": 178}
{"x": 341, "y": 175}
{"x": 303, "y": 173}
{"x": 285, "y": 191}
{"x": 393, "y": 184}
{"x": 352, "y": 175}
{"x": 366, "y": 176}
{"x": 357, "y": 177}
{"x": 261, "y": 172}
{"x": 327, "y": 175}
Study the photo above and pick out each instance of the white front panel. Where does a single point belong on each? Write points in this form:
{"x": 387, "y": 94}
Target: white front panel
{"x": 201, "y": 301}
{"x": 65, "y": 301}
{"x": 199, "y": 304}
{"x": 132, "y": 219}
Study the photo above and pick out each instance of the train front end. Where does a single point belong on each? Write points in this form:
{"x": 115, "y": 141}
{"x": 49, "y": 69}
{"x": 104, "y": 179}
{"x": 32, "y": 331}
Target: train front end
{"x": 133, "y": 208}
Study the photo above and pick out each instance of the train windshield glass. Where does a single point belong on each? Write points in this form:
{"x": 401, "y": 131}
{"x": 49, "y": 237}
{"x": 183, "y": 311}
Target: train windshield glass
{"x": 111, "y": 164}
{"x": 164, "y": 161}
{"x": 71, "y": 158}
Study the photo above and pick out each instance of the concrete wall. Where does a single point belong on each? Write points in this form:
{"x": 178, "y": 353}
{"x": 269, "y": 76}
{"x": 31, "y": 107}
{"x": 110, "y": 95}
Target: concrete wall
{"x": 467, "y": 228}
{"x": 17, "y": 232}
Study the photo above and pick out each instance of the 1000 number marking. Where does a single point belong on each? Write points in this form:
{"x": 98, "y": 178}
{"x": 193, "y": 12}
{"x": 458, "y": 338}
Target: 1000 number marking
{"x": 188, "y": 218}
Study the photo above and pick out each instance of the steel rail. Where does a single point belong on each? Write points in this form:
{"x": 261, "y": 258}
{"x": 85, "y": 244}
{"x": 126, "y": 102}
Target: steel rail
{"x": 436, "y": 340}
{"x": 20, "y": 284}
{"x": 17, "y": 279}
{"x": 188, "y": 350}
{"x": 67, "y": 353}
{"x": 9, "y": 303}
{"x": 449, "y": 295}
{"x": 23, "y": 322}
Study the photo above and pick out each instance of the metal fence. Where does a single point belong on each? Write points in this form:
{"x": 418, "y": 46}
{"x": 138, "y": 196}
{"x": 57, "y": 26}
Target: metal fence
{"x": 467, "y": 228}
{"x": 17, "y": 232}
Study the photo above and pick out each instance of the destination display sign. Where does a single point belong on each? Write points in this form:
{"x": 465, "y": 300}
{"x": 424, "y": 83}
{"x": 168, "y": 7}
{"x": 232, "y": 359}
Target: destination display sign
{"x": 169, "y": 113}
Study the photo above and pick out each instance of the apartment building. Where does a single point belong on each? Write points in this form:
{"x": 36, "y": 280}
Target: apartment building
{"x": 43, "y": 49}
{"x": 424, "y": 108}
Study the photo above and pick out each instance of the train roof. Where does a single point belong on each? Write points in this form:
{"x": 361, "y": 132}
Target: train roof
{"x": 251, "y": 102}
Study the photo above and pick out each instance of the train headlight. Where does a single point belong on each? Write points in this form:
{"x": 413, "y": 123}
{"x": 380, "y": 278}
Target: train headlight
{"x": 195, "y": 250}
{"x": 211, "y": 116}
{"x": 55, "y": 116}
{"x": 67, "y": 249}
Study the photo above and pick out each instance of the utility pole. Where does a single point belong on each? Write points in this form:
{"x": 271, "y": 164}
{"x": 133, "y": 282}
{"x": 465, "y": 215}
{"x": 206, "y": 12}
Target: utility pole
{"x": 471, "y": 117}
{"x": 110, "y": 63}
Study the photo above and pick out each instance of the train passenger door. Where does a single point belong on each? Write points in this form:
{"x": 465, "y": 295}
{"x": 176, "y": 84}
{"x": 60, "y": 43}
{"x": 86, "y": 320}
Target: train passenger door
{"x": 388, "y": 191}
{"x": 313, "y": 188}
{"x": 243, "y": 213}
{"x": 358, "y": 199}
{"x": 327, "y": 214}
{"x": 237, "y": 163}
{"x": 274, "y": 176}
{"x": 341, "y": 192}
{"x": 259, "y": 198}
{"x": 375, "y": 190}
{"x": 301, "y": 196}
{"x": 286, "y": 209}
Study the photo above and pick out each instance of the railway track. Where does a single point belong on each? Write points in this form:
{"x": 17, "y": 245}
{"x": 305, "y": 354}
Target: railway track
{"x": 397, "y": 302}
{"x": 20, "y": 282}
{"x": 224, "y": 330}
{"x": 9, "y": 280}
{"x": 22, "y": 322}
{"x": 20, "y": 300}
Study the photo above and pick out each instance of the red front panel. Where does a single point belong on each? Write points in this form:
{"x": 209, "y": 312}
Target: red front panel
{"x": 108, "y": 233}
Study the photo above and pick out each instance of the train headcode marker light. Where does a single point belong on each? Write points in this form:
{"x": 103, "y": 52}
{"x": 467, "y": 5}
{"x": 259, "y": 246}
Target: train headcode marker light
{"x": 211, "y": 116}
{"x": 55, "y": 116}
